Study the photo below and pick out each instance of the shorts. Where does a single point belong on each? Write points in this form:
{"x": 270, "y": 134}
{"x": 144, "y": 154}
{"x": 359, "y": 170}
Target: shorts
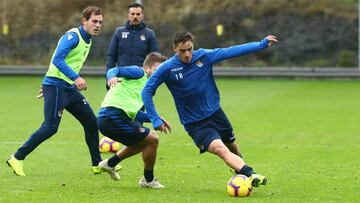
{"x": 116, "y": 125}
{"x": 216, "y": 126}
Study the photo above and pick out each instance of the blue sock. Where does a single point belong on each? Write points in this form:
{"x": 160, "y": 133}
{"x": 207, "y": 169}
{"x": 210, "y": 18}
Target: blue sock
{"x": 149, "y": 175}
{"x": 246, "y": 170}
{"x": 114, "y": 160}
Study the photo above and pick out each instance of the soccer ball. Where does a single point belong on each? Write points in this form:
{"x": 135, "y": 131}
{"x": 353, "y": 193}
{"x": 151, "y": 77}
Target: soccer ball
{"x": 239, "y": 186}
{"x": 108, "y": 145}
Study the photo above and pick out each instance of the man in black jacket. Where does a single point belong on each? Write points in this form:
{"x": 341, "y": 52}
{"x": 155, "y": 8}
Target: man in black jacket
{"x": 132, "y": 42}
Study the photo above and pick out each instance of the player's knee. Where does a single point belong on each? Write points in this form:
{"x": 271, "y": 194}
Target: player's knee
{"x": 91, "y": 121}
{"x": 221, "y": 151}
{"x": 153, "y": 138}
{"x": 49, "y": 129}
{"x": 91, "y": 124}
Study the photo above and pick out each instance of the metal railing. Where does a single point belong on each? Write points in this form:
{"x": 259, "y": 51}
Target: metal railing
{"x": 271, "y": 72}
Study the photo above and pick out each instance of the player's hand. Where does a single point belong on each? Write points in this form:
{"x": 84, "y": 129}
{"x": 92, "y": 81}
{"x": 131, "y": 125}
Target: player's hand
{"x": 40, "y": 95}
{"x": 272, "y": 39}
{"x": 166, "y": 124}
{"x": 162, "y": 129}
{"x": 80, "y": 84}
{"x": 112, "y": 82}
{"x": 165, "y": 127}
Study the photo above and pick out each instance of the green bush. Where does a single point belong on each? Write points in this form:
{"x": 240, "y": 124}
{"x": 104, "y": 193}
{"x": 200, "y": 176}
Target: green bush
{"x": 345, "y": 57}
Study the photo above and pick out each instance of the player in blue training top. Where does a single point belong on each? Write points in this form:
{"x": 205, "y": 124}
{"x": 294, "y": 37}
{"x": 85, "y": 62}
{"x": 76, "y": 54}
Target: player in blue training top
{"x": 188, "y": 75}
{"x": 61, "y": 90}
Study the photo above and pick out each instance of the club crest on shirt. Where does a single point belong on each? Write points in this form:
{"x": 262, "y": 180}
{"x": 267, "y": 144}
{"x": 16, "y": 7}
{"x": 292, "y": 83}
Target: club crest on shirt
{"x": 199, "y": 64}
{"x": 124, "y": 34}
{"x": 70, "y": 37}
{"x": 142, "y": 37}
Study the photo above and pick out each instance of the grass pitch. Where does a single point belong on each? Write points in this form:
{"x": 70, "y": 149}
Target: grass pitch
{"x": 303, "y": 135}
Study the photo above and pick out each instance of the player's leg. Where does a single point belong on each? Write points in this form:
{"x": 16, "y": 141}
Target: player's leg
{"x": 224, "y": 128}
{"x": 223, "y": 125}
{"x": 233, "y": 148}
{"x": 150, "y": 150}
{"x": 53, "y": 107}
{"x": 115, "y": 124}
{"x": 148, "y": 147}
{"x": 149, "y": 157}
{"x": 207, "y": 138}
{"x": 77, "y": 105}
{"x": 234, "y": 161}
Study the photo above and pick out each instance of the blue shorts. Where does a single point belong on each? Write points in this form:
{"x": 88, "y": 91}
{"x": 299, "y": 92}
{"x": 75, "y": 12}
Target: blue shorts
{"x": 216, "y": 126}
{"x": 115, "y": 124}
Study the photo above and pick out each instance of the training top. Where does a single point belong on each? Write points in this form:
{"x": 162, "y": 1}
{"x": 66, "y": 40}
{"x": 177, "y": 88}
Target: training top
{"x": 192, "y": 85}
{"x": 129, "y": 45}
{"x": 126, "y": 95}
{"x": 68, "y": 58}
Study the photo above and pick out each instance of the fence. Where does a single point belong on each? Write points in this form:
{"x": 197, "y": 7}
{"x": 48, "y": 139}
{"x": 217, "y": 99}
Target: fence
{"x": 304, "y": 73}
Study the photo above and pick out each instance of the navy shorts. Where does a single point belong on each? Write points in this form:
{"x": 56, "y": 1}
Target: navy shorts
{"x": 216, "y": 126}
{"x": 116, "y": 125}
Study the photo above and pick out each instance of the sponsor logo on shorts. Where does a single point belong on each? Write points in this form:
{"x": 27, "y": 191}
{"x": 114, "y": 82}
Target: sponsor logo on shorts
{"x": 141, "y": 129}
{"x": 201, "y": 147}
{"x": 60, "y": 112}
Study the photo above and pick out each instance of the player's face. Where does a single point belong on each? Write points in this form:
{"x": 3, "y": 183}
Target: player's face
{"x": 150, "y": 70}
{"x": 184, "y": 50}
{"x": 135, "y": 15}
{"x": 93, "y": 25}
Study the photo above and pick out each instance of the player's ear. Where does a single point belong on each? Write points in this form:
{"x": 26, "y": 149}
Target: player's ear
{"x": 146, "y": 69}
{"x": 84, "y": 21}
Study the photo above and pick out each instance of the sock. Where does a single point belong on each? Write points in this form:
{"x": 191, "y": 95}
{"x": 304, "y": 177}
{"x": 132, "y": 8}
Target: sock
{"x": 149, "y": 175}
{"x": 246, "y": 170}
{"x": 114, "y": 160}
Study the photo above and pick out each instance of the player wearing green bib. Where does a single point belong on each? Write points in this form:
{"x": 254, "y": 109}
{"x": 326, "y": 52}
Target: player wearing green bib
{"x": 120, "y": 118}
{"x": 61, "y": 90}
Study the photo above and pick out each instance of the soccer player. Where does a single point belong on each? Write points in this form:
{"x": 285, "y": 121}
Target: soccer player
{"x": 61, "y": 90}
{"x": 188, "y": 75}
{"x": 120, "y": 118}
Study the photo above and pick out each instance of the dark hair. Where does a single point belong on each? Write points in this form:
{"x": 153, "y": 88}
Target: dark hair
{"x": 182, "y": 37}
{"x": 154, "y": 57}
{"x": 88, "y": 11}
{"x": 136, "y": 5}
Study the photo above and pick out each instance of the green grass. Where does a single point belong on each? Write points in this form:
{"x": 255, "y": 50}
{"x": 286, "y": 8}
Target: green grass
{"x": 304, "y": 135}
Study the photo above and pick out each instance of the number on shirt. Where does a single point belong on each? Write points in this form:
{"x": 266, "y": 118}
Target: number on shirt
{"x": 179, "y": 76}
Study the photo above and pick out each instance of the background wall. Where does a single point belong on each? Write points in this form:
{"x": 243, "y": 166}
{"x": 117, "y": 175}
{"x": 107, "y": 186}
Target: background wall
{"x": 322, "y": 33}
